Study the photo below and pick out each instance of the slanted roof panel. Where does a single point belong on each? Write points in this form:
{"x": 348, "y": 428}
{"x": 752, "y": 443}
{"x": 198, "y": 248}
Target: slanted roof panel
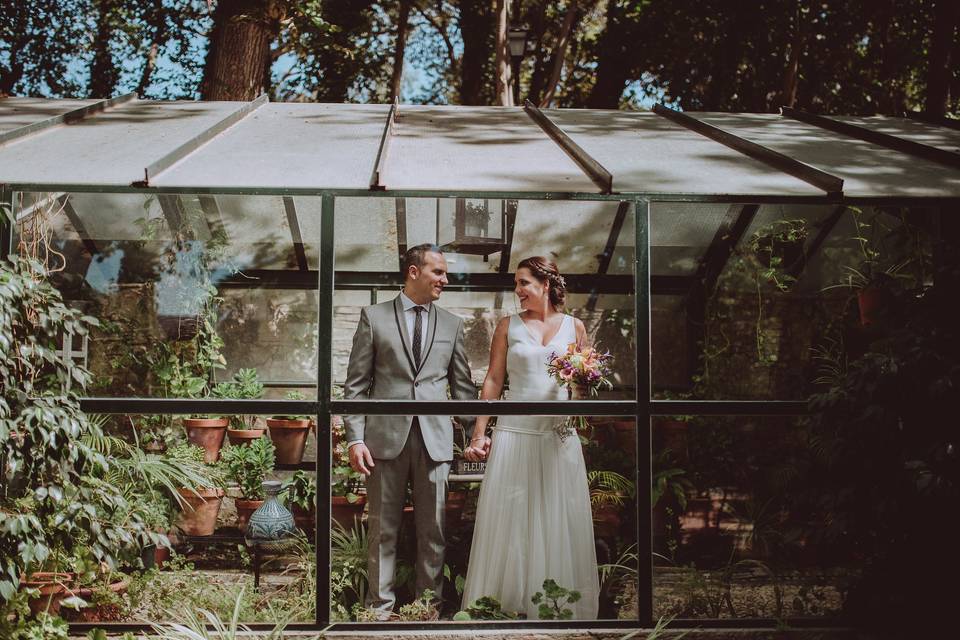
{"x": 648, "y": 153}
{"x": 109, "y": 148}
{"x": 477, "y": 149}
{"x": 913, "y": 130}
{"x": 868, "y": 170}
{"x": 288, "y": 145}
{"x": 20, "y": 112}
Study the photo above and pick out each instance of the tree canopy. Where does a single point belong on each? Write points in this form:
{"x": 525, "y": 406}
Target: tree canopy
{"x": 831, "y": 56}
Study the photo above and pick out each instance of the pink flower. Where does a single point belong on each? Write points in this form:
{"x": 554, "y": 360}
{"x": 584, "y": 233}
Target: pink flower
{"x": 566, "y": 374}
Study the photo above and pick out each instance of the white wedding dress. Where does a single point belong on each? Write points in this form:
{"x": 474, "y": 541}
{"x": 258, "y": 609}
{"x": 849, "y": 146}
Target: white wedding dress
{"x": 533, "y": 516}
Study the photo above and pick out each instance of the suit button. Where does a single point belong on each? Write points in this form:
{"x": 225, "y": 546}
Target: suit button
{"x": 416, "y": 384}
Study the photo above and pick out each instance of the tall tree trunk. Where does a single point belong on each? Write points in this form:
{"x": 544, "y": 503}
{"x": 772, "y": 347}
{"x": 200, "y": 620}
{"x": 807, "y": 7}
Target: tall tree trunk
{"x": 350, "y": 20}
{"x": 939, "y": 70}
{"x": 238, "y": 62}
{"x": 788, "y": 94}
{"x": 476, "y": 26}
{"x": 536, "y": 18}
{"x": 560, "y": 52}
{"x": 156, "y": 19}
{"x": 103, "y": 73}
{"x": 504, "y": 90}
{"x": 399, "y": 47}
{"x": 613, "y": 65}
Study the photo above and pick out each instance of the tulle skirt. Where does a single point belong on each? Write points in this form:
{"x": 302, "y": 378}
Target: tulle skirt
{"x": 533, "y": 522}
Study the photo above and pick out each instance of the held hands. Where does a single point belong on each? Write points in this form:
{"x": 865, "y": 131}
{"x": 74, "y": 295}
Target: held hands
{"x": 361, "y": 460}
{"x": 478, "y": 449}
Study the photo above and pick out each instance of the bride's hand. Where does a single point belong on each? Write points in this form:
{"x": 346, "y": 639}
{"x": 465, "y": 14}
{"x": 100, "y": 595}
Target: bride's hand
{"x": 477, "y": 451}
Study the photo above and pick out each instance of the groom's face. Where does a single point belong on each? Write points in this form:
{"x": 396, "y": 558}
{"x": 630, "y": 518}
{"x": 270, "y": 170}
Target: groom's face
{"x": 428, "y": 280}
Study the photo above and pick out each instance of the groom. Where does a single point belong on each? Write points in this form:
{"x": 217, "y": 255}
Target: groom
{"x": 406, "y": 349}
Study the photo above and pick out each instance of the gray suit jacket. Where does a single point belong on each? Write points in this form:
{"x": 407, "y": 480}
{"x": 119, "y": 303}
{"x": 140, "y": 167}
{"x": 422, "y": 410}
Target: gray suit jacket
{"x": 382, "y": 366}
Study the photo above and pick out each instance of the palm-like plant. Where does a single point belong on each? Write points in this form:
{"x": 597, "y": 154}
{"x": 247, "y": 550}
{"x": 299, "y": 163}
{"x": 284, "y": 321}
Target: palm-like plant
{"x": 194, "y": 626}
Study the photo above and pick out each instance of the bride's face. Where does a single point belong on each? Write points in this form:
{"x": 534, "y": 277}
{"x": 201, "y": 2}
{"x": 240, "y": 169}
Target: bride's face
{"x": 531, "y": 291}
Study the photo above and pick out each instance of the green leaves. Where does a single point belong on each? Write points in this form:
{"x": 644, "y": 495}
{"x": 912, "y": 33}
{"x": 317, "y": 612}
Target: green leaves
{"x": 248, "y": 466}
{"x": 553, "y": 599}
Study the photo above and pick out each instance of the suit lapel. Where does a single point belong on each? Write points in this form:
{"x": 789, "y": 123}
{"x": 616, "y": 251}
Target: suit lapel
{"x": 433, "y": 334}
{"x": 402, "y": 328}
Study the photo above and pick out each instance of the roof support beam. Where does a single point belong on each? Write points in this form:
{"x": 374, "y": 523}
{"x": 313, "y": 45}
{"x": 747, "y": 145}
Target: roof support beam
{"x": 731, "y": 230}
{"x": 603, "y": 264}
{"x": 820, "y": 179}
{"x": 909, "y": 147}
{"x": 593, "y": 169}
{"x": 172, "y": 209}
{"x": 938, "y": 121}
{"x": 213, "y": 216}
{"x": 376, "y": 179}
{"x": 78, "y": 225}
{"x": 162, "y": 164}
{"x": 294, "y": 223}
{"x": 400, "y": 205}
{"x": 826, "y": 227}
{"x": 510, "y": 222}
{"x": 69, "y": 117}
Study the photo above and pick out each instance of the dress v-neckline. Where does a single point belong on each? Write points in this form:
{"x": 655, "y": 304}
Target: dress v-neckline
{"x": 539, "y": 342}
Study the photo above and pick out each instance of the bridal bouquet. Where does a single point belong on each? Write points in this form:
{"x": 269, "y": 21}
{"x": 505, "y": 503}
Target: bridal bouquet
{"x": 584, "y": 371}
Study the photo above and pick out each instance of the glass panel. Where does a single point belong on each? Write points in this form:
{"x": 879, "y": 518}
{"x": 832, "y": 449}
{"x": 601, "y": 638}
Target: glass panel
{"x": 540, "y": 507}
{"x": 591, "y": 243}
{"x": 190, "y": 290}
{"x": 759, "y": 313}
{"x": 220, "y": 541}
{"x": 742, "y": 520}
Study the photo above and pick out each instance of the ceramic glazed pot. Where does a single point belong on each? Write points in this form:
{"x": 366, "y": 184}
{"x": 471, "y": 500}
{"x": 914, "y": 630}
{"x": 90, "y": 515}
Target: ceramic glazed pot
{"x": 245, "y": 509}
{"x": 271, "y": 521}
{"x": 200, "y": 516}
{"x": 290, "y": 439}
{"x": 207, "y": 433}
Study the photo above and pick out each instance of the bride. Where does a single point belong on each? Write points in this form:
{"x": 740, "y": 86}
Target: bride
{"x": 533, "y": 515}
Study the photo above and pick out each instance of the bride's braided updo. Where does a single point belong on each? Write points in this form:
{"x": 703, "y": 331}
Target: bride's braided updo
{"x": 545, "y": 270}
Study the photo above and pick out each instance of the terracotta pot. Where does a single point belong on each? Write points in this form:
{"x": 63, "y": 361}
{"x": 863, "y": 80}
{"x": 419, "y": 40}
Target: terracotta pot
{"x": 346, "y": 513}
{"x": 245, "y": 509}
{"x": 54, "y": 588}
{"x": 207, "y": 433}
{"x": 103, "y": 613}
{"x": 200, "y": 516}
{"x": 161, "y": 556}
{"x": 290, "y": 439}
{"x": 154, "y": 556}
{"x": 871, "y": 301}
{"x": 239, "y": 437}
{"x": 606, "y": 520}
{"x": 306, "y": 519}
{"x": 453, "y": 509}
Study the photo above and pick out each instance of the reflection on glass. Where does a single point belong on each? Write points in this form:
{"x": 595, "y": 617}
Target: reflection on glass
{"x": 562, "y": 509}
{"x": 199, "y": 492}
{"x": 188, "y": 289}
{"x": 740, "y": 526}
{"x": 745, "y": 297}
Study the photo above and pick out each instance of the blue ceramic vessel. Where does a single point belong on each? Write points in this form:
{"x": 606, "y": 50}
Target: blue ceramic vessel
{"x": 272, "y": 521}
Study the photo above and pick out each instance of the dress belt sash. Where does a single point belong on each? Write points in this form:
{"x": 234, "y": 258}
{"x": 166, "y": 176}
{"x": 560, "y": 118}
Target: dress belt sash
{"x": 529, "y": 432}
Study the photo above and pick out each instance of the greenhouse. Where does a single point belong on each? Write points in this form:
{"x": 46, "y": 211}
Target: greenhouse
{"x": 741, "y": 269}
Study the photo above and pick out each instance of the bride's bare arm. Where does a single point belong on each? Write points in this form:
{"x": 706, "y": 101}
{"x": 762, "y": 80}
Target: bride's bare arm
{"x": 582, "y": 339}
{"x": 493, "y": 382}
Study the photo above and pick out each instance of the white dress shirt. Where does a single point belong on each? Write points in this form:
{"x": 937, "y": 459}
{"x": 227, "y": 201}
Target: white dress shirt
{"x": 410, "y": 317}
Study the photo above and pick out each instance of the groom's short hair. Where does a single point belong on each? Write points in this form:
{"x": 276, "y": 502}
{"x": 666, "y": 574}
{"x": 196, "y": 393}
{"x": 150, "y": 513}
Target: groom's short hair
{"x": 415, "y": 257}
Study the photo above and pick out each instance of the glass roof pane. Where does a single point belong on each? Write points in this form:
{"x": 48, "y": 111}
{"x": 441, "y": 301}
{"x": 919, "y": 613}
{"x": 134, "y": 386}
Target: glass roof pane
{"x": 680, "y": 234}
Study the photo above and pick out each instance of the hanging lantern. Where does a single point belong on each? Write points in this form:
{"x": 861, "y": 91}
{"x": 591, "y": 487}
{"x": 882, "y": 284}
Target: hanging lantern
{"x": 471, "y": 225}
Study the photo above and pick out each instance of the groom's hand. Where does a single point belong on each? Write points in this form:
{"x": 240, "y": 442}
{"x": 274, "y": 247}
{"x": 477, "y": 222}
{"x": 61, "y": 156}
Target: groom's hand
{"x": 360, "y": 459}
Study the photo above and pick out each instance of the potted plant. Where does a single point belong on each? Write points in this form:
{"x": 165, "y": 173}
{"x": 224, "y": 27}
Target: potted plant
{"x": 289, "y": 433}
{"x": 243, "y": 386}
{"x": 301, "y": 493}
{"x": 346, "y": 501}
{"x": 608, "y": 491}
{"x": 778, "y": 246}
{"x": 200, "y": 504}
{"x": 249, "y": 466}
